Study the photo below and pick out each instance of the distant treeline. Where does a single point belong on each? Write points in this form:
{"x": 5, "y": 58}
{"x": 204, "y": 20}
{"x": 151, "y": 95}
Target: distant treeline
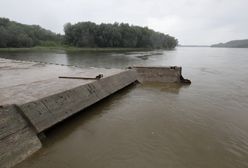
{"x": 13, "y": 34}
{"x": 233, "y": 44}
{"x": 88, "y": 34}
{"x": 83, "y": 34}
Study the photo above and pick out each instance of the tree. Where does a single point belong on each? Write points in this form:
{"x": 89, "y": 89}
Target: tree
{"x": 88, "y": 34}
{"x": 84, "y": 34}
{"x": 13, "y": 34}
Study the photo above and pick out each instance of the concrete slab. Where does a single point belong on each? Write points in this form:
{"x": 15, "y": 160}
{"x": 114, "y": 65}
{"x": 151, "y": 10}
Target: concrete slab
{"x": 22, "y": 82}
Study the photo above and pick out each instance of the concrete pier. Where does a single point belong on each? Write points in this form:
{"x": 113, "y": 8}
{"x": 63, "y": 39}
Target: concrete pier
{"x": 33, "y": 98}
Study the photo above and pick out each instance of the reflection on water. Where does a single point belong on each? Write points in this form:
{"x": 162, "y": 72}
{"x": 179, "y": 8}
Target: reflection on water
{"x": 204, "y": 125}
{"x": 167, "y": 88}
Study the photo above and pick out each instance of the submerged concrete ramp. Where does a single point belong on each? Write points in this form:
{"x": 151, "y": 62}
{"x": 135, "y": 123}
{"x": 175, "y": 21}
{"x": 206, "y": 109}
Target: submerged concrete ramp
{"x": 33, "y": 98}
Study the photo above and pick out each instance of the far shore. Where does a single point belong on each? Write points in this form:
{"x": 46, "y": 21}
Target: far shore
{"x": 71, "y": 49}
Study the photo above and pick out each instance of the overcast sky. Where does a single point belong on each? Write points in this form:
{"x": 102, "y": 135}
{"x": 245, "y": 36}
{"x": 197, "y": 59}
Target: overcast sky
{"x": 200, "y": 22}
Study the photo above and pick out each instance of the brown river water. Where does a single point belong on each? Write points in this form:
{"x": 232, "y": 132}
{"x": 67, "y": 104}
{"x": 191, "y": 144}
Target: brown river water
{"x": 204, "y": 125}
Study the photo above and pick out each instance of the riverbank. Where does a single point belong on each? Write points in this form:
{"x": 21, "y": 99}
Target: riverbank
{"x": 71, "y": 49}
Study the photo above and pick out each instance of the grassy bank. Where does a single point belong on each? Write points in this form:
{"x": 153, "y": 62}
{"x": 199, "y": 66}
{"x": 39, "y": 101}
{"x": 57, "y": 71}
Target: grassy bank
{"x": 70, "y": 49}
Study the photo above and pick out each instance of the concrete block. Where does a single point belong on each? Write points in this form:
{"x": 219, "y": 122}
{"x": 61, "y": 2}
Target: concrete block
{"x": 17, "y": 139}
{"x": 159, "y": 74}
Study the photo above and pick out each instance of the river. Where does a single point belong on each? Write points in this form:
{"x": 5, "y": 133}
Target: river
{"x": 204, "y": 125}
